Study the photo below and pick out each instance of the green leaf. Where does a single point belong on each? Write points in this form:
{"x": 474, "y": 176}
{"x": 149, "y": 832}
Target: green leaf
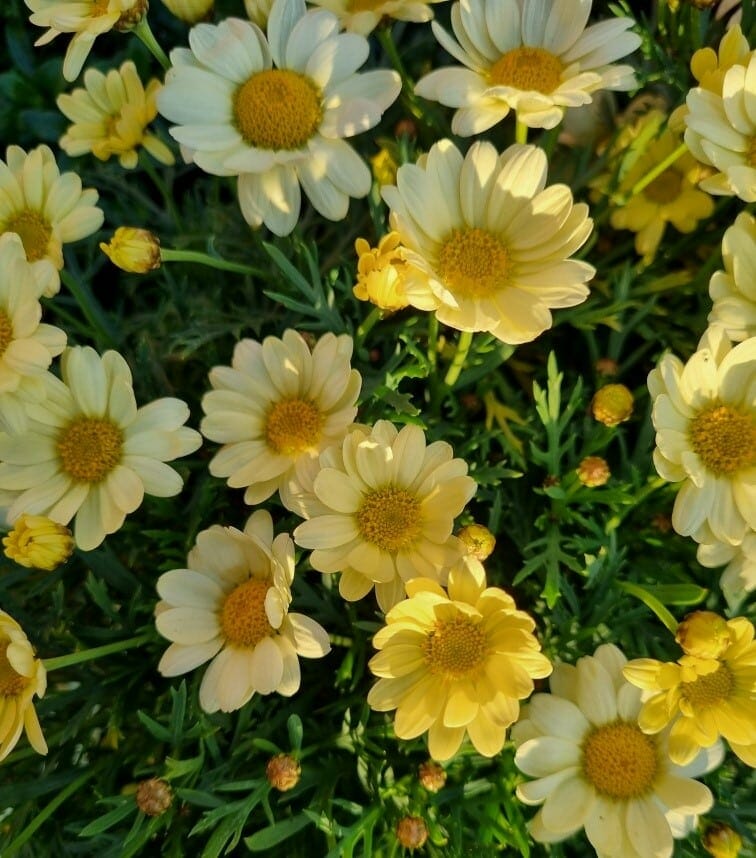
{"x": 296, "y": 731}
{"x": 109, "y": 819}
{"x": 651, "y": 602}
{"x": 677, "y": 594}
{"x": 277, "y": 833}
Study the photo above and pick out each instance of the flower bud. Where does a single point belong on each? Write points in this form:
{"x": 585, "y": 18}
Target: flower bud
{"x": 190, "y": 11}
{"x": 412, "y": 832}
{"x": 593, "y": 471}
{"x": 134, "y": 250}
{"x": 721, "y": 841}
{"x": 258, "y": 11}
{"x": 432, "y": 776}
{"x": 612, "y": 404}
{"x": 132, "y": 16}
{"x": 479, "y": 540}
{"x": 154, "y": 796}
{"x": 37, "y": 542}
{"x": 283, "y": 772}
{"x": 704, "y": 634}
{"x": 384, "y": 168}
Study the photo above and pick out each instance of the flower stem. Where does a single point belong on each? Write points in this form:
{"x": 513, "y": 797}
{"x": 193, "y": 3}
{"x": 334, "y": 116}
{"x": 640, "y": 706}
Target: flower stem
{"x": 96, "y": 652}
{"x": 521, "y": 132}
{"x": 169, "y": 255}
{"x": 375, "y": 315}
{"x": 105, "y": 336}
{"x": 463, "y": 349}
{"x": 657, "y": 171}
{"x": 145, "y": 35}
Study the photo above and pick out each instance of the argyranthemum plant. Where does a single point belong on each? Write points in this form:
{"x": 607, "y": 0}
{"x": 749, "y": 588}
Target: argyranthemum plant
{"x": 535, "y": 59}
{"x": 595, "y": 769}
{"x": 383, "y": 274}
{"x": 703, "y": 696}
{"x": 739, "y": 576}
{"x": 274, "y": 111}
{"x": 231, "y": 605}
{"x": 276, "y": 408}
{"x": 363, "y": 16}
{"x": 46, "y": 209}
{"x": 456, "y": 663}
{"x": 110, "y": 115}
{"x": 22, "y": 676}
{"x": 491, "y": 243}
{"x": 89, "y": 452}
{"x": 705, "y": 421}
{"x": 733, "y": 290}
{"x": 382, "y": 509}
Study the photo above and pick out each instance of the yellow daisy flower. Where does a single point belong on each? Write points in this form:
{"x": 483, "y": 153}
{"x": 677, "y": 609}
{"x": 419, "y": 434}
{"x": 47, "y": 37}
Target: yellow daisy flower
{"x": 702, "y": 698}
{"x": 231, "y": 605}
{"x": 739, "y": 575}
{"x": 276, "y": 408}
{"x": 46, "y": 209}
{"x": 705, "y": 421}
{"x": 133, "y": 249}
{"x": 456, "y": 663}
{"x": 110, "y": 115}
{"x": 89, "y": 451}
{"x": 733, "y": 290}
{"x": 536, "y": 59}
{"x": 382, "y": 511}
{"x": 21, "y": 677}
{"x": 86, "y": 19}
{"x": 595, "y": 769}
{"x": 363, "y": 16}
{"x": 709, "y": 67}
{"x": 37, "y": 542}
{"x": 491, "y": 245}
{"x": 382, "y": 273}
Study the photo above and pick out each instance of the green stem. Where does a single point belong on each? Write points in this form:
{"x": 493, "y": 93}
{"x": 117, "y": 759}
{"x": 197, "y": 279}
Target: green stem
{"x": 145, "y": 35}
{"x": 657, "y": 171}
{"x": 521, "y": 132}
{"x": 460, "y": 356}
{"x": 104, "y": 334}
{"x": 340, "y": 640}
{"x": 375, "y": 315}
{"x": 169, "y": 255}
{"x": 96, "y": 652}
{"x": 165, "y": 192}
{"x": 387, "y": 43}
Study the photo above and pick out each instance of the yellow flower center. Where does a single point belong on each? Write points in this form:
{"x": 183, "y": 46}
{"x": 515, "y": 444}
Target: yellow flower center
{"x": 710, "y": 689}
{"x": 243, "y": 618}
{"x": 620, "y": 761}
{"x": 34, "y": 232}
{"x": 11, "y": 683}
{"x": 292, "y": 426}
{"x": 473, "y": 263}
{"x": 89, "y": 449}
{"x": 665, "y": 188}
{"x": 724, "y": 439}
{"x": 389, "y": 518}
{"x": 6, "y": 332}
{"x": 278, "y": 109}
{"x": 528, "y": 69}
{"x": 456, "y": 648}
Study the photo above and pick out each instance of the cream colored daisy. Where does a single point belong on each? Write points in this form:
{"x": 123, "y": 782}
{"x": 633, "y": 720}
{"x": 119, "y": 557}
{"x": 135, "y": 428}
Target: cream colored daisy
{"x": 274, "y": 111}
{"x": 382, "y": 511}
{"x": 89, "y": 452}
{"x": 27, "y": 346}
{"x": 491, "y": 244}
{"x": 231, "y": 605}
{"x": 110, "y": 115}
{"x": 456, "y": 664}
{"x": 733, "y": 290}
{"x": 703, "y": 698}
{"x": 704, "y": 414}
{"x": 721, "y": 132}
{"x": 46, "y": 209}
{"x": 595, "y": 769}
{"x": 276, "y": 408}
{"x": 536, "y": 59}
{"x": 739, "y": 576}
{"x": 22, "y": 676}
{"x": 86, "y": 19}
{"x": 363, "y": 16}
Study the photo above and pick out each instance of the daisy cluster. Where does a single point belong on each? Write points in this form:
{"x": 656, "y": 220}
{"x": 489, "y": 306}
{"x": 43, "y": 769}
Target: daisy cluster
{"x": 343, "y": 475}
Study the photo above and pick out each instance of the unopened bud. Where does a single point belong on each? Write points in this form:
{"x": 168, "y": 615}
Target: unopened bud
{"x": 132, "y": 249}
{"x": 258, "y": 11}
{"x": 607, "y": 366}
{"x": 704, "y": 634}
{"x": 721, "y": 841}
{"x": 190, "y": 11}
{"x": 593, "y": 471}
{"x": 283, "y": 772}
{"x": 479, "y": 540}
{"x": 37, "y": 542}
{"x": 432, "y": 776}
{"x": 412, "y": 832}
{"x": 132, "y": 16}
{"x": 154, "y": 796}
{"x": 612, "y": 404}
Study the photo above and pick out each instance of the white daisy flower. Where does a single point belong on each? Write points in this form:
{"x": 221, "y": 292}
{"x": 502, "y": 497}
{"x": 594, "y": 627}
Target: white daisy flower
{"x": 738, "y": 578}
{"x": 733, "y": 290}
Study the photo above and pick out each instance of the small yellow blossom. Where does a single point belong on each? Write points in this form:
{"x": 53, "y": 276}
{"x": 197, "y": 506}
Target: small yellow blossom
{"x": 133, "y": 249}
{"x": 612, "y": 404}
{"x": 382, "y": 272}
{"x": 479, "y": 540}
{"x": 593, "y": 471}
{"x": 721, "y": 841}
{"x": 704, "y": 634}
{"x": 37, "y": 542}
{"x": 190, "y": 11}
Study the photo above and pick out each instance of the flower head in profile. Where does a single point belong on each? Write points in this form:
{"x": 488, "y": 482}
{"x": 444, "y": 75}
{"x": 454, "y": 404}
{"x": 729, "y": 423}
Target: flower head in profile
{"x": 382, "y": 511}
{"x": 37, "y": 542}
{"x": 86, "y": 19}
{"x": 275, "y": 110}
{"x": 535, "y": 59}
{"x": 133, "y": 249}
{"x": 491, "y": 243}
{"x": 382, "y": 273}
{"x": 703, "y": 695}
{"x": 110, "y": 116}
{"x": 89, "y": 452}
{"x": 363, "y": 16}
{"x": 46, "y": 209}
{"x": 733, "y": 290}
{"x": 705, "y": 421}
{"x": 22, "y": 676}
{"x": 595, "y": 769}
{"x": 739, "y": 575}
{"x": 276, "y": 408}
{"x": 456, "y": 662}
{"x": 230, "y": 607}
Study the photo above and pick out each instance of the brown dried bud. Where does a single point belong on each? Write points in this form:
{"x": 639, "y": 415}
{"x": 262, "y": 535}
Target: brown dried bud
{"x": 131, "y": 17}
{"x": 283, "y": 772}
{"x": 607, "y": 366}
{"x": 612, "y": 404}
{"x": 412, "y": 832}
{"x": 593, "y": 471}
{"x": 154, "y": 796}
{"x": 661, "y": 522}
{"x": 406, "y": 127}
{"x": 431, "y": 776}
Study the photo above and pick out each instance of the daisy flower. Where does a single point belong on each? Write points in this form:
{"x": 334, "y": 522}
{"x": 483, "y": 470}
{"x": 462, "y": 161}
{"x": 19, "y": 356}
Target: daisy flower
{"x": 46, "y": 209}
{"x": 491, "y": 244}
{"x": 274, "y": 111}
{"x": 721, "y": 132}
{"x": 27, "y": 346}
{"x": 110, "y": 115}
{"x": 89, "y": 452}
{"x": 594, "y": 768}
{"x": 21, "y": 677}
{"x": 739, "y": 576}
{"x": 703, "y": 698}
{"x": 709, "y": 67}
{"x": 705, "y": 421}
{"x": 536, "y": 59}
{"x": 276, "y": 408}
{"x": 86, "y": 19}
{"x": 382, "y": 511}
{"x": 381, "y": 273}
{"x": 363, "y": 16}
{"x": 231, "y": 605}
{"x": 733, "y": 290}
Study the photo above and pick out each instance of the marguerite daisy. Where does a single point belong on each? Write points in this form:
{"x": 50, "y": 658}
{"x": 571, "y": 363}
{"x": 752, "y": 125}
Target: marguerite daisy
{"x": 733, "y": 290}
{"x": 363, "y": 16}
{"x": 739, "y": 576}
